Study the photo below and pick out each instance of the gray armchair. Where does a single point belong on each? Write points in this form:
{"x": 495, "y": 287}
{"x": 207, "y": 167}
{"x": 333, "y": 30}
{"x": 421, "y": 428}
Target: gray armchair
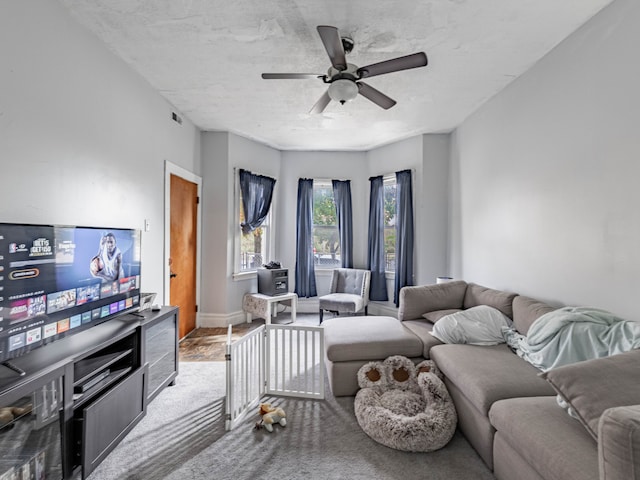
{"x": 349, "y": 292}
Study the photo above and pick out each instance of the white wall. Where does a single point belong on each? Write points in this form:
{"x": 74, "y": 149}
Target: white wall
{"x": 544, "y": 176}
{"x": 432, "y": 207}
{"x": 215, "y": 242}
{"x": 222, "y": 152}
{"x": 83, "y": 139}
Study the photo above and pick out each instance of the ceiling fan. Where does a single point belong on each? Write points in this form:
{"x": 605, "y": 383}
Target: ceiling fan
{"x": 345, "y": 79}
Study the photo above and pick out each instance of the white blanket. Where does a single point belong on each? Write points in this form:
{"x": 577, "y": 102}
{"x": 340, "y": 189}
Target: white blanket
{"x": 573, "y": 334}
{"x": 481, "y": 325}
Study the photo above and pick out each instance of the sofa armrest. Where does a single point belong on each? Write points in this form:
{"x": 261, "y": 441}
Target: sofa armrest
{"x": 619, "y": 443}
{"x": 415, "y": 301}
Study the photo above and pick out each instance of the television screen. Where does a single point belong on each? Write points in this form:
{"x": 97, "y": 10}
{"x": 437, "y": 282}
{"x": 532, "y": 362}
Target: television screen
{"x": 58, "y": 280}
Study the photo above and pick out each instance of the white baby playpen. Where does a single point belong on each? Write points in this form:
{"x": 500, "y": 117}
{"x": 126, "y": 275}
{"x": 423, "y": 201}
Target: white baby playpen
{"x": 284, "y": 360}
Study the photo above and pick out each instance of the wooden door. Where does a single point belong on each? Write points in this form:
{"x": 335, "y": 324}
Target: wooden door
{"x": 182, "y": 260}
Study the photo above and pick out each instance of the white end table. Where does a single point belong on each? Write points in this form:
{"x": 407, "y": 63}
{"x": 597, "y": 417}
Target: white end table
{"x": 262, "y": 305}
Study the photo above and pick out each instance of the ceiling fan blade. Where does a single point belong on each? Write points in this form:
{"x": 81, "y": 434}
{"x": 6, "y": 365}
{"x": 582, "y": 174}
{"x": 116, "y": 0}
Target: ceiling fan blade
{"x": 414, "y": 60}
{"x": 321, "y": 104}
{"x": 333, "y": 45}
{"x": 376, "y": 96}
{"x": 292, "y": 76}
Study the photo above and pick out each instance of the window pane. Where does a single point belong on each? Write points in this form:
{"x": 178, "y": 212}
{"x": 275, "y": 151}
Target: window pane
{"x": 326, "y": 240}
{"x": 390, "y": 225}
{"x": 253, "y": 246}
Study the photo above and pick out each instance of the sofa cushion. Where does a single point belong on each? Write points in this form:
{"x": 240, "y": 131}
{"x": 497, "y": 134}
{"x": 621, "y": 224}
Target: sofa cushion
{"x": 554, "y": 444}
{"x": 619, "y": 442}
{"x": 592, "y": 386}
{"x": 416, "y": 300}
{"x": 342, "y": 302}
{"x": 368, "y": 338}
{"x": 436, "y": 315}
{"x": 526, "y": 311}
{"x": 422, "y": 329}
{"x": 486, "y": 374}
{"x": 478, "y": 295}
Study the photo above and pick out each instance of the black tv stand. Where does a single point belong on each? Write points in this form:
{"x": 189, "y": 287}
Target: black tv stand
{"x": 13, "y": 367}
{"x": 82, "y": 394}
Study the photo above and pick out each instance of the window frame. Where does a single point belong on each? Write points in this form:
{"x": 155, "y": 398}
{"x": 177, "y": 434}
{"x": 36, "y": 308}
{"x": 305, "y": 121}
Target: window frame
{"x": 325, "y": 183}
{"x": 268, "y": 224}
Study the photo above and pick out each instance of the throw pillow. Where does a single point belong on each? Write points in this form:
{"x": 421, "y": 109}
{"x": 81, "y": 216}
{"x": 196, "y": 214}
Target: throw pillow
{"x": 481, "y": 325}
{"x": 592, "y": 386}
{"x": 436, "y": 315}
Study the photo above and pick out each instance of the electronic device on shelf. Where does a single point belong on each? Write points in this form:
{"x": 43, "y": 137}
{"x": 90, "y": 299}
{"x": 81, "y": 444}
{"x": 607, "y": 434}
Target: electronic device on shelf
{"x": 56, "y": 281}
{"x": 273, "y": 281}
{"x": 92, "y": 382}
{"x": 146, "y": 301}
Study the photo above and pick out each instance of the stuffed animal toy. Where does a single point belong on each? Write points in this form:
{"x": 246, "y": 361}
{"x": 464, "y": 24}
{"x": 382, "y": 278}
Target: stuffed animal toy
{"x": 8, "y": 414}
{"x": 270, "y": 416}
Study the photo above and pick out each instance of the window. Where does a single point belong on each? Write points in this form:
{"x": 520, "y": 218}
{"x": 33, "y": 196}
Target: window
{"x": 253, "y": 249}
{"x": 326, "y": 238}
{"x": 389, "y": 188}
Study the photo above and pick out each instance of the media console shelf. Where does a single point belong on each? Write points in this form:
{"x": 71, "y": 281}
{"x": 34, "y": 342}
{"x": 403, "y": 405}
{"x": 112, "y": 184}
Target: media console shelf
{"x": 81, "y": 395}
{"x": 97, "y": 372}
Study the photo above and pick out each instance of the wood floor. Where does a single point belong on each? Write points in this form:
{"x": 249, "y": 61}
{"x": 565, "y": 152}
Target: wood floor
{"x": 208, "y": 344}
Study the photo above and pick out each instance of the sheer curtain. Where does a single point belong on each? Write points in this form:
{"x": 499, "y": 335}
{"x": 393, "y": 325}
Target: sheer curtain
{"x": 404, "y": 233}
{"x": 375, "y": 260}
{"x": 342, "y": 197}
{"x": 305, "y": 271}
{"x": 257, "y": 192}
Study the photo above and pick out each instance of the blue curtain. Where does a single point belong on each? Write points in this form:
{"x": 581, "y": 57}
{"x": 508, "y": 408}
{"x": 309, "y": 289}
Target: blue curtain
{"x": 305, "y": 271}
{"x": 375, "y": 260}
{"x": 257, "y": 192}
{"x": 342, "y": 197}
{"x": 404, "y": 233}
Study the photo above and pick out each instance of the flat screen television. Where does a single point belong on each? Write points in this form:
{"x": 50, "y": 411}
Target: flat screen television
{"x": 56, "y": 281}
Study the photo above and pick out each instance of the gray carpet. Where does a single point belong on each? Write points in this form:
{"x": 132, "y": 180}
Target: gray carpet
{"x": 183, "y": 437}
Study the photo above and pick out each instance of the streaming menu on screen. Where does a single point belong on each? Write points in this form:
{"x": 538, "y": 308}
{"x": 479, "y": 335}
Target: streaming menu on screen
{"x": 58, "y": 280}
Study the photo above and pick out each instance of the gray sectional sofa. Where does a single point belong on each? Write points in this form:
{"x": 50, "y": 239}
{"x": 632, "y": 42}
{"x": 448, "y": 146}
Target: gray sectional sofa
{"x": 506, "y": 408}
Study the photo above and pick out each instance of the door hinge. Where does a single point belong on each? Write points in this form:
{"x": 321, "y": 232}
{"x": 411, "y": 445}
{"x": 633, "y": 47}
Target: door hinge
{"x": 197, "y": 200}
{"x": 196, "y": 308}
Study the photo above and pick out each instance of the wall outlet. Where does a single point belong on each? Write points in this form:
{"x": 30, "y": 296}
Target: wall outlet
{"x": 147, "y": 225}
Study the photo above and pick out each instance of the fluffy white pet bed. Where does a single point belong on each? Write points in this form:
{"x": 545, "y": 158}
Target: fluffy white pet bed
{"x": 405, "y": 406}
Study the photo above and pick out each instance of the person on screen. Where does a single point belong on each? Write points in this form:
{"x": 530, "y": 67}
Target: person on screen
{"x": 107, "y": 264}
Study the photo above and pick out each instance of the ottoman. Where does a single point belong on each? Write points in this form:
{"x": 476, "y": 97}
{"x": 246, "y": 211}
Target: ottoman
{"x": 350, "y": 342}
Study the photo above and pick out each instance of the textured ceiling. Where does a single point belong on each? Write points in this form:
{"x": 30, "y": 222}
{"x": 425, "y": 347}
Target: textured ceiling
{"x": 206, "y": 56}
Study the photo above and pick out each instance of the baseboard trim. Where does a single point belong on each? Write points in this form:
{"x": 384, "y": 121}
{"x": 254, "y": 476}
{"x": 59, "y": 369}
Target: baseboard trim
{"x": 305, "y": 305}
{"x": 308, "y": 305}
{"x": 217, "y": 320}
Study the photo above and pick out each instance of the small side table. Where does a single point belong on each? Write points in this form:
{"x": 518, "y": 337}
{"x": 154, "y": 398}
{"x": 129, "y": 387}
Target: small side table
{"x": 262, "y": 305}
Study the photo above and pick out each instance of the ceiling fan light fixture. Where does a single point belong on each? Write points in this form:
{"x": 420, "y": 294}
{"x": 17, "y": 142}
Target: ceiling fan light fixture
{"x": 345, "y": 79}
{"x": 343, "y": 90}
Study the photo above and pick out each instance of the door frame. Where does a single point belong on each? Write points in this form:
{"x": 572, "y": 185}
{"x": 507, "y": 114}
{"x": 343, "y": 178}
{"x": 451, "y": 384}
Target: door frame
{"x": 173, "y": 169}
